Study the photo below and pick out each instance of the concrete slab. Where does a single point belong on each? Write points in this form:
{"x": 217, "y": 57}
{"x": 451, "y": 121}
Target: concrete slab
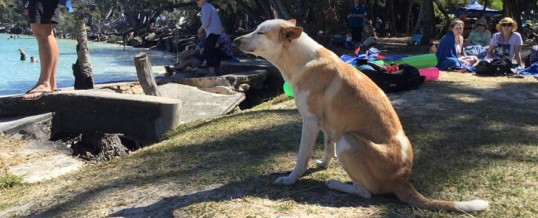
{"x": 26, "y": 125}
{"x": 46, "y": 168}
{"x": 198, "y": 104}
{"x": 140, "y": 117}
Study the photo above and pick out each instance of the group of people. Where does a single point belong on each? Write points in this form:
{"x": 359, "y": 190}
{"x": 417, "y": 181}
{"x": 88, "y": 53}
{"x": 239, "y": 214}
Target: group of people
{"x": 364, "y": 32}
{"x": 43, "y": 14}
{"x": 212, "y": 45}
{"x": 23, "y": 56}
{"x": 505, "y": 44}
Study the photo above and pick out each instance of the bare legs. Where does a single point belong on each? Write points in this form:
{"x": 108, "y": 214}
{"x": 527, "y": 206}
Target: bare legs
{"x": 48, "y": 56}
{"x": 469, "y": 60}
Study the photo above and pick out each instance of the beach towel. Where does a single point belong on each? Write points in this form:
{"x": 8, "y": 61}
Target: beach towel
{"x": 531, "y": 70}
{"x": 447, "y": 57}
{"x": 476, "y": 50}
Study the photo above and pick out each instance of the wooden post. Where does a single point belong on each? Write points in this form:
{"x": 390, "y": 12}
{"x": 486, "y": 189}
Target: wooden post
{"x": 145, "y": 75}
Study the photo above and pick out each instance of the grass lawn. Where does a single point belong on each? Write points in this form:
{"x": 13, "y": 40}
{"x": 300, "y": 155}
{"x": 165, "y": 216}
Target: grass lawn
{"x": 473, "y": 137}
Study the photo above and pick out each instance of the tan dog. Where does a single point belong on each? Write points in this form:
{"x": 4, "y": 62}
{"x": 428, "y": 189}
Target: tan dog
{"x": 354, "y": 114}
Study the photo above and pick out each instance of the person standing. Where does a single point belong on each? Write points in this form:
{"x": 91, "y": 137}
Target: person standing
{"x": 23, "y": 54}
{"x": 379, "y": 25}
{"x": 507, "y": 43}
{"x": 213, "y": 28}
{"x": 42, "y": 14}
{"x": 356, "y": 16}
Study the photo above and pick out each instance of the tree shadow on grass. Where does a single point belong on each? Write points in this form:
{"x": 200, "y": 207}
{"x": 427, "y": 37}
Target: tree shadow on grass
{"x": 450, "y": 135}
{"x": 304, "y": 191}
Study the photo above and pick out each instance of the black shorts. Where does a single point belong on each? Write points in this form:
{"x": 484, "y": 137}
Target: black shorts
{"x": 356, "y": 34}
{"x": 43, "y": 11}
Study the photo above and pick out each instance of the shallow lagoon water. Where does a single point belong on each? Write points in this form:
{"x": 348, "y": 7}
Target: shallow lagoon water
{"x": 110, "y": 62}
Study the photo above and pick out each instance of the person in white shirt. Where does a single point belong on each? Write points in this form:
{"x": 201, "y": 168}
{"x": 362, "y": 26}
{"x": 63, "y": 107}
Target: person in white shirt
{"x": 507, "y": 43}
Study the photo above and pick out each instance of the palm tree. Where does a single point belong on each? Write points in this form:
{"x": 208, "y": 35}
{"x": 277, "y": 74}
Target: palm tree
{"x": 105, "y": 146}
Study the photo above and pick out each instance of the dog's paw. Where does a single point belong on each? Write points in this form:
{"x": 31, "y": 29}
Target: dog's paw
{"x": 285, "y": 180}
{"x": 320, "y": 164}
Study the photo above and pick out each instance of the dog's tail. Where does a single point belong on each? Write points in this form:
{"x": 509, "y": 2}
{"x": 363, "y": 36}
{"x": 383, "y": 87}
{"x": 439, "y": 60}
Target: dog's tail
{"x": 406, "y": 192}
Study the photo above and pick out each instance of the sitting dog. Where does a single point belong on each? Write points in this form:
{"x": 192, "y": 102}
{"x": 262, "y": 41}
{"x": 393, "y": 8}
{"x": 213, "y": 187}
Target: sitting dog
{"x": 359, "y": 124}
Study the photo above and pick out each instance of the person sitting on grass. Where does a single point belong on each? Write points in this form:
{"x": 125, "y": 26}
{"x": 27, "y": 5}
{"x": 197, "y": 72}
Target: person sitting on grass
{"x": 450, "y": 49}
{"x": 190, "y": 58}
{"x": 507, "y": 43}
{"x": 481, "y": 35}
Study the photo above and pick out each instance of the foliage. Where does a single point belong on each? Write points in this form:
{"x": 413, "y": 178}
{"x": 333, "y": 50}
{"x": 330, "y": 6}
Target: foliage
{"x": 10, "y": 181}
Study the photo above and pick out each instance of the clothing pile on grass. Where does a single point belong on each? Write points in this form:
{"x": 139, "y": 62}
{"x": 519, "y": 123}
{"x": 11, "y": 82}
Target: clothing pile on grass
{"x": 531, "y": 63}
{"x": 391, "y": 74}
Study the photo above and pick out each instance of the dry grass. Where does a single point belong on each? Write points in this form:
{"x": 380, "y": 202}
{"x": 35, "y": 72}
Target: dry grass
{"x": 473, "y": 138}
{"x": 8, "y": 157}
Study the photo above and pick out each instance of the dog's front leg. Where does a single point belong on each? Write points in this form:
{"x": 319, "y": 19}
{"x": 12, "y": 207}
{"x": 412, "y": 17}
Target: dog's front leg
{"x": 308, "y": 138}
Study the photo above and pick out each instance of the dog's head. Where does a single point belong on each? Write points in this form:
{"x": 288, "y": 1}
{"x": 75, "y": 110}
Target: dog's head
{"x": 269, "y": 38}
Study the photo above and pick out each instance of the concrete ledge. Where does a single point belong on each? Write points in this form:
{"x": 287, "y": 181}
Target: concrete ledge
{"x": 140, "y": 117}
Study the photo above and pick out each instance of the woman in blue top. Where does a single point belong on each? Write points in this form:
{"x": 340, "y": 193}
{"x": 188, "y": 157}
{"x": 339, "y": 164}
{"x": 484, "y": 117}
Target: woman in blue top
{"x": 450, "y": 49}
{"x": 356, "y": 21}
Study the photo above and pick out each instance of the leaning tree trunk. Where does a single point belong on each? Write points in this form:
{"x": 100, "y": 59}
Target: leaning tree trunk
{"x": 427, "y": 19}
{"x": 93, "y": 145}
{"x": 82, "y": 69}
{"x": 445, "y": 14}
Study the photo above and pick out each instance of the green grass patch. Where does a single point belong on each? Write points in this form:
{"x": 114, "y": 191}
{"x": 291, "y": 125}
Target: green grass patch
{"x": 10, "y": 181}
{"x": 472, "y": 138}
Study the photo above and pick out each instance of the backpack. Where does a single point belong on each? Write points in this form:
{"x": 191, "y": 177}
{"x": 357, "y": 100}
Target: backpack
{"x": 497, "y": 67}
{"x": 404, "y": 79}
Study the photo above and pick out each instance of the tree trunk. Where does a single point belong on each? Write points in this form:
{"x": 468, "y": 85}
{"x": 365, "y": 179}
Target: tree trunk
{"x": 410, "y": 19}
{"x": 145, "y": 75}
{"x": 512, "y": 9}
{"x": 392, "y": 18}
{"x": 428, "y": 17}
{"x": 82, "y": 69}
{"x": 265, "y": 6}
{"x": 419, "y": 24}
{"x": 445, "y": 14}
{"x": 253, "y": 14}
{"x": 97, "y": 146}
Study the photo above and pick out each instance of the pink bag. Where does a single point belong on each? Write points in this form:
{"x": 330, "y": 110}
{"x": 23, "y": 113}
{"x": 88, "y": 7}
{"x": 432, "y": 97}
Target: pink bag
{"x": 430, "y": 73}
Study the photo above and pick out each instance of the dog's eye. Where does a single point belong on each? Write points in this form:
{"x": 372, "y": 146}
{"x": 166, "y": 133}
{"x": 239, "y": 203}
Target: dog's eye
{"x": 261, "y": 33}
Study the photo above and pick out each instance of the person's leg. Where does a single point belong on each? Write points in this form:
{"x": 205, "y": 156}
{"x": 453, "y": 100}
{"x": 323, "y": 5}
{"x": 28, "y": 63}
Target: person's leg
{"x": 42, "y": 15}
{"x": 182, "y": 65}
{"x": 356, "y": 37}
{"x": 210, "y": 53}
{"x": 186, "y": 55}
{"x": 48, "y": 56}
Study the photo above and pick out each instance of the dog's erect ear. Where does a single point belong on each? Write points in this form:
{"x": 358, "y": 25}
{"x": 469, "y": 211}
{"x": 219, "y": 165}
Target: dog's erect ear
{"x": 291, "y": 33}
{"x": 293, "y": 22}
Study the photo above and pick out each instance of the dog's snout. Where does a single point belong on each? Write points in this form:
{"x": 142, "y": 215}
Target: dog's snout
{"x": 237, "y": 41}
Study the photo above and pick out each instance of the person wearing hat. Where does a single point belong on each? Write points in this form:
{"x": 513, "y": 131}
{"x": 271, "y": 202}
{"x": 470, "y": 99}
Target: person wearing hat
{"x": 506, "y": 44}
{"x": 480, "y": 35}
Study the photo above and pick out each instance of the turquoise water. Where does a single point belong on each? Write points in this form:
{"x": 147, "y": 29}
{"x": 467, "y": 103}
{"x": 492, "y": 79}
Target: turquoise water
{"x": 110, "y": 63}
